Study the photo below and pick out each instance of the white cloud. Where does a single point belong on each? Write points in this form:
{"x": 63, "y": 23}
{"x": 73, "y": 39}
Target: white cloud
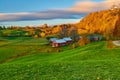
{"x": 80, "y": 8}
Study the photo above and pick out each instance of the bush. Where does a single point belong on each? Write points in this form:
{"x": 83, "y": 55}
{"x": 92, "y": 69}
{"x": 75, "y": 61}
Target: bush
{"x": 1, "y": 33}
{"x": 74, "y": 45}
{"x": 83, "y": 41}
{"x": 35, "y": 36}
{"x": 87, "y": 41}
{"x": 58, "y": 49}
{"x": 110, "y": 45}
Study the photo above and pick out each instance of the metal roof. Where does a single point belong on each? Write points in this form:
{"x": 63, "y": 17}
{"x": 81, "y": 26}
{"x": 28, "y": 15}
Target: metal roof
{"x": 53, "y": 39}
{"x": 67, "y": 39}
{"x": 60, "y": 41}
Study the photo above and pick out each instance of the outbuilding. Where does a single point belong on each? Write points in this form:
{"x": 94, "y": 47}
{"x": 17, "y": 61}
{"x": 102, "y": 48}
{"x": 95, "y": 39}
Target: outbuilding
{"x": 53, "y": 39}
{"x": 57, "y": 43}
{"x": 68, "y": 40}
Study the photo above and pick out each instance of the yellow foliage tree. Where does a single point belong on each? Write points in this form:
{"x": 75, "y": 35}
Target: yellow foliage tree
{"x": 110, "y": 45}
{"x": 83, "y": 41}
{"x": 42, "y": 34}
{"x": 56, "y": 29}
{"x": 26, "y": 34}
{"x": 35, "y": 36}
{"x": 100, "y": 22}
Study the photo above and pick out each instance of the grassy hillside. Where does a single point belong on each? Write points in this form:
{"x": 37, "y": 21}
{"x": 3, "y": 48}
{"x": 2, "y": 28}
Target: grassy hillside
{"x": 9, "y": 48}
{"x": 91, "y": 62}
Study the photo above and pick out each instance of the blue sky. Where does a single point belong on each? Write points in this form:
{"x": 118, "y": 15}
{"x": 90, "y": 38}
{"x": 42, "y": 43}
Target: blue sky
{"x": 36, "y": 12}
{"x": 33, "y": 5}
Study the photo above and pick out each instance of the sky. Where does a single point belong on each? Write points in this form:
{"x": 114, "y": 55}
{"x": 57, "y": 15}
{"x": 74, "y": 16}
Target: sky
{"x": 37, "y": 12}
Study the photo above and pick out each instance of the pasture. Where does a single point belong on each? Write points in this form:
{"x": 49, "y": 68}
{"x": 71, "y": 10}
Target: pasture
{"x": 91, "y": 62}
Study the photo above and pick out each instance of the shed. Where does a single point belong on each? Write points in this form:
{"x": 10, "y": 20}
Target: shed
{"x": 96, "y": 38}
{"x": 93, "y": 37}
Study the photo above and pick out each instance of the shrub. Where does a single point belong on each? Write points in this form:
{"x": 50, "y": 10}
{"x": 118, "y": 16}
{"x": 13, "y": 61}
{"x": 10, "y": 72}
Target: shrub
{"x": 110, "y": 45}
{"x": 1, "y": 33}
{"x": 74, "y": 45}
{"x": 42, "y": 34}
{"x": 87, "y": 41}
{"x": 83, "y": 41}
{"x": 35, "y": 36}
{"x": 58, "y": 49}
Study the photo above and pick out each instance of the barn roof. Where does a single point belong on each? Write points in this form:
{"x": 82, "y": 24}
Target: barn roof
{"x": 67, "y": 39}
{"x": 60, "y": 41}
{"x": 53, "y": 39}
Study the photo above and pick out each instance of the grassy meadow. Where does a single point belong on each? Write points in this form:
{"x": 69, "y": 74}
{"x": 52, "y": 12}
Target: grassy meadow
{"x": 25, "y": 58}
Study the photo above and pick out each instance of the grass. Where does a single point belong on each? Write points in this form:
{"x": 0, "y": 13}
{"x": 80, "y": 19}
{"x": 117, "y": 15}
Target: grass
{"x": 17, "y": 46}
{"x": 91, "y": 62}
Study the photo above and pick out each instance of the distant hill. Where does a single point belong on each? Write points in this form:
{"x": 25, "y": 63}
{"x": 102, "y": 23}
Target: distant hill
{"x": 104, "y": 22}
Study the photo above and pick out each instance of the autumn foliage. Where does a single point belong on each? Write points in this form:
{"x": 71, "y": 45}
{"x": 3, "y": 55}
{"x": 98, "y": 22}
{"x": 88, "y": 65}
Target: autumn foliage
{"x": 106, "y": 22}
{"x": 42, "y": 34}
{"x": 83, "y": 41}
{"x": 110, "y": 45}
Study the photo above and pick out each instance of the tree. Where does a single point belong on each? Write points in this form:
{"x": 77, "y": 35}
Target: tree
{"x": 42, "y": 34}
{"x": 45, "y": 26}
{"x": 1, "y": 33}
{"x": 116, "y": 31}
{"x": 4, "y": 27}
{"x": 108, "y": 33}
{"x": 56, "y": 29}
{"x": 73, "y": 34}
{"x": 63, "y": 32}
{"x": 110, "y": 44}
{"x": 84, "y": 40}
{"x": 35, "y": 36}
{"x": 37, "y": 31}
{"x": 1, "y": 28}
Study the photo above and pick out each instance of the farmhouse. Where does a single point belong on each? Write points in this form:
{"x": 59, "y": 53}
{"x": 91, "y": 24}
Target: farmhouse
{"x": 52, "y": 39}
{"x": 68, "y": 40}
{"x": 60, "y": 42}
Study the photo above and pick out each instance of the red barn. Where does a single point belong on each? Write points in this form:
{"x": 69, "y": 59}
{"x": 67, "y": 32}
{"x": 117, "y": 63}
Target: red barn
{"x": 57, "y": 43}
{"x": 68, "y": 40}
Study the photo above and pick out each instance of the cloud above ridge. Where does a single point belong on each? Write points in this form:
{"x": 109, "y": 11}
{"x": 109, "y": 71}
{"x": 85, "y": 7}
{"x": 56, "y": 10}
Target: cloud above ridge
{"x": 80, "y": 8}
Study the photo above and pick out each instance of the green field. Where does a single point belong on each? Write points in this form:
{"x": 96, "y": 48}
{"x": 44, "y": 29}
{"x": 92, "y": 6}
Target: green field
{"x": 91, "y": 62}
